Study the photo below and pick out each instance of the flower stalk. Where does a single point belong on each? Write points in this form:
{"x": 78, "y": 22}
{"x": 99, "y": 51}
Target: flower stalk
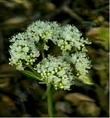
{"x": 50, "y": 101}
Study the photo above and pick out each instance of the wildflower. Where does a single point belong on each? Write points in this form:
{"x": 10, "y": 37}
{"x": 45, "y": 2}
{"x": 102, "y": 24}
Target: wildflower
{"x": 60, "y": 70}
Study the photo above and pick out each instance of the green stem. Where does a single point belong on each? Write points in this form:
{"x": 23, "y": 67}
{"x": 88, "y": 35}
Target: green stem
{"x": 50, "y": 101}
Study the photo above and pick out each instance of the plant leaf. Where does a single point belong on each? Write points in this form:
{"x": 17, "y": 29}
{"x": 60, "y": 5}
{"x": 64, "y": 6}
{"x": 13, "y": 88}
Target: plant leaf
{"x": 31, "y": 74}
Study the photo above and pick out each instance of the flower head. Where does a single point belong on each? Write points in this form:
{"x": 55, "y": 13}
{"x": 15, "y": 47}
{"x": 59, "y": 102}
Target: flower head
{"x": 56, "y": 71}
{"x": 42, "y": 39}
{"x": 23, "y": 52}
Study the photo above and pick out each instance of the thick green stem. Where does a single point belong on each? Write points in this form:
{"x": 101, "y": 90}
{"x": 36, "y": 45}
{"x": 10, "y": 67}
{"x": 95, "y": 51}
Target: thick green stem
{"x": 50, "y": 101}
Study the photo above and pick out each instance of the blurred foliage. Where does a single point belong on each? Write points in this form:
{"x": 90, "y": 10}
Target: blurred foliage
{"x": 20, "y": 96}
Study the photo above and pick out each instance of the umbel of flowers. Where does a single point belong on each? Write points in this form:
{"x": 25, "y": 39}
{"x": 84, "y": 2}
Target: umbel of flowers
{"x": 56, "y": 53}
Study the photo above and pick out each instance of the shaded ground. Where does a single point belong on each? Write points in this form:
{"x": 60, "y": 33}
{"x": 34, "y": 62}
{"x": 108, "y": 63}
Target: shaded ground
{"x": 20, "y": 96}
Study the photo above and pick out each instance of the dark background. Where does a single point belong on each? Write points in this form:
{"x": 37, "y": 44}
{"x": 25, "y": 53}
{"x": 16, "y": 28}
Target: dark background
{"x": 21, "y": 96}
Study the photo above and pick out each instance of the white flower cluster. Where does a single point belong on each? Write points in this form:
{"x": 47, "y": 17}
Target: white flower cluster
{"x": 41, "y": 30}
{"x": 69, "y": 38}
{"x": 82, "y": 64}
{"x": 57, "y": 70}
{"x": 23, "y": 52}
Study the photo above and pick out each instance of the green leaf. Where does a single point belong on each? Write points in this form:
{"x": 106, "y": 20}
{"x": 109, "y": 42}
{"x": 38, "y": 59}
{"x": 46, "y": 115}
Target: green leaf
{"x": 31, "y": 74}
{"x": 87, "y": 80}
